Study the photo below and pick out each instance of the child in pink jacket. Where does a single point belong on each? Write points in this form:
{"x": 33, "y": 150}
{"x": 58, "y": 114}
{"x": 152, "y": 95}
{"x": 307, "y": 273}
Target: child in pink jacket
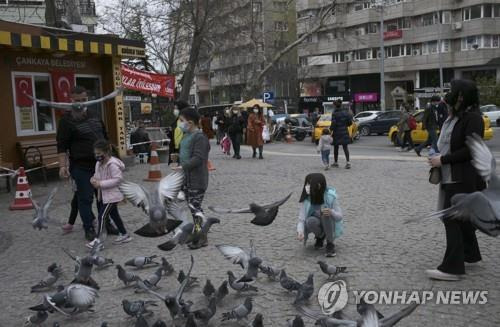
{"x": 107, "y": 177}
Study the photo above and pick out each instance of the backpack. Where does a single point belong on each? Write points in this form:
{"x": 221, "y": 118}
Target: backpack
{"x": 412, "y": 122}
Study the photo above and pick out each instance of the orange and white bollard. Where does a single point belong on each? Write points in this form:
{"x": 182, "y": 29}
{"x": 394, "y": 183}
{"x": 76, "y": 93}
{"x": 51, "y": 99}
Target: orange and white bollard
{"x": 22, "y": 201}
{"x": 154, "y": 174}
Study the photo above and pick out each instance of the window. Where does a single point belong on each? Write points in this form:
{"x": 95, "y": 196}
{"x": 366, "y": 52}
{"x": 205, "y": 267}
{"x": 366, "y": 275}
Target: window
{"x": 496, "y": 11}
{"x": 430, "y": 19}
{"x": 473, "y": 12}
{"x": 280, "y": 26}
{"x": 446, "y": 17}
{"x": 445, "y": 45}
{"x": 360, "y": 55}
{"x": 257, "y": 7}
{"x": 280, "y": 5}
{"x": 360, "y": 31}
{"x": 362, "y": 6}
{"x": 338, "y": 57}
{"x": 303, "y": 61}
{"x": 470, "y": 42}
{"x": 487, "y": 10}
{"x": 337, "y": 86}
{"x": 372, "y": 28}
{"x": 430, "y": 47}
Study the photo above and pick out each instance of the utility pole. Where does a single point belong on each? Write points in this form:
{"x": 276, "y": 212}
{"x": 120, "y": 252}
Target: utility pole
{"x": 382, "y": 57}
{"x": 440, "y": 59}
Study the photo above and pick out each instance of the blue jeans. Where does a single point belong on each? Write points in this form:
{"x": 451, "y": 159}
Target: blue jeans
{"x": 325, "y": 157}
{"x": 85, "y": 194}
{"x": 431, "y": 140}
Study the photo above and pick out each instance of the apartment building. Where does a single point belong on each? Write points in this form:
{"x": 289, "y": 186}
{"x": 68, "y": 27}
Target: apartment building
{"x": 342, "y": 61}
{"x": 255, "y": 31}
{"x": 33, "y": 12}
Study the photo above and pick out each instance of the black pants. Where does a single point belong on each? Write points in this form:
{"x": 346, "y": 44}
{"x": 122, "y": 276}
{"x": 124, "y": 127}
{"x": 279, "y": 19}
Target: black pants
{"x": 105, "y": 212}
{"x": 461, "y": 242}
{"x": 236, "y": 140}
{"x": 407, "y": 140}
{"x": 336, "y": 152}
{"x": 74, "y": 210}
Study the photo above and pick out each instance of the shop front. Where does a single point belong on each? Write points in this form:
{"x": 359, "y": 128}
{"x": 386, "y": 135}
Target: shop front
{"x": 46, "y": 63}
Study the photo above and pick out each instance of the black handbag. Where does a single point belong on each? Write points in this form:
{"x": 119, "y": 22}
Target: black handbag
{"x": 435, "y": 175}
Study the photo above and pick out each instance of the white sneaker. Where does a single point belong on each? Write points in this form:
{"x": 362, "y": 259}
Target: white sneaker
{"x": 92, "y": 244}
{"x": 123, "y": 239}
{"x": 439, "y": 275}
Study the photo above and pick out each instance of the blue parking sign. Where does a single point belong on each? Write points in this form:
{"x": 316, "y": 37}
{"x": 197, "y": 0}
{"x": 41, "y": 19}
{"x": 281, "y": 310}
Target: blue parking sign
{"x": 267, "y": 96}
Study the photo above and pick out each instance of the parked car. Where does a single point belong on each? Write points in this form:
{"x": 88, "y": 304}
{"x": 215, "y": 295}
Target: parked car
{"x": 419, "y": 135}
{"x": 380, "y": 124}
{"x": 366, "y": 116}
{"x": 492, "y": 111}
{"x": 325, "y": 121}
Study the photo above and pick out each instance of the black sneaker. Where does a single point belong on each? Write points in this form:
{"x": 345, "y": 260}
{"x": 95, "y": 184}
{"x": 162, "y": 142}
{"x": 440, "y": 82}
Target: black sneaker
{"x": 261, "y": 157}
{"x": 319, "y": 243}
{"x": 90, "y": 234}
{"x": 330, "y": 249}
{"x": 254, "y": 155}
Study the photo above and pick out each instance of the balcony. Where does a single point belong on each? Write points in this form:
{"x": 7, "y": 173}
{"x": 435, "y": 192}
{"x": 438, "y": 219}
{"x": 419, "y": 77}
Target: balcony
{"x": 86, "y": 7}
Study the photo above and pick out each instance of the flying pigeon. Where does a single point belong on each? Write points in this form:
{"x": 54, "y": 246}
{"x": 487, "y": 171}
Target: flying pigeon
{"x": 297, "y": 322}
{"x": 55, "y": 272}
{"x": 236, "y": 255}
{"x": 74, "y": 299}
{"x": 305, "y": 291}
{"x": 41, "y": 218}
{"x": 168, "y": 268}
{"x": 272, "y": 273}
{"x": 83, "y": 275}
{"x": 258, "y": 321}
{"x": 264, "y": 214}
{"x": 156, "y": 205}
{"x": 191, "y": 280}
{"x": 208, "y": 289}
{"x": 141, "y": 261}
{"x": 205, "y": 314}
{"x": 288, "y": 283}
{"x": 76, "y": 105}
{"x": 181, "y": 236}
{"x": 331, "y": 270}
{"x": 174, "y": 302}
{"x": 137, "y": 308}
{"x": 239, "y": 286}
{"x": 126, "y": 276}
{"x": 36, "y": 319}
{"x": 240, "y": 312}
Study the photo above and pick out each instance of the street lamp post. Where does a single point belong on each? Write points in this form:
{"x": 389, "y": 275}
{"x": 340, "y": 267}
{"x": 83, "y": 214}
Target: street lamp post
{"x": 440, "y": 59}
{"x": 382, "y": 57}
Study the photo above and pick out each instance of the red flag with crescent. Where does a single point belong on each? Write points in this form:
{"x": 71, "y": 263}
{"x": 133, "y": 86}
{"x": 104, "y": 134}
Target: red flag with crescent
{"x": 23, "y": 86}
{"x": 62, "y": 83}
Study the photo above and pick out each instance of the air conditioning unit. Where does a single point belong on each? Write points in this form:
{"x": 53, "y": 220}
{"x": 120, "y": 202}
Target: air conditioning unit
{"x": 348, "y": 57}
{"x": 457, "y": 26}
{"x": 416, "y": 52}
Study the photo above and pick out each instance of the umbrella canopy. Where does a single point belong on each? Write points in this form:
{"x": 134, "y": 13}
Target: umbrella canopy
{"x": 253, "y": 102}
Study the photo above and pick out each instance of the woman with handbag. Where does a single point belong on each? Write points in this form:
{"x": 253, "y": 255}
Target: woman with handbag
{"x": 457, "y": 175}
{"x": 341, "y": 120}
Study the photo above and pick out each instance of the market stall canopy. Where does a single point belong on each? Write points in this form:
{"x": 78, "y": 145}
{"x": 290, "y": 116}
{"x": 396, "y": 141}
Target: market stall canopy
{"x": 253, "y": 102}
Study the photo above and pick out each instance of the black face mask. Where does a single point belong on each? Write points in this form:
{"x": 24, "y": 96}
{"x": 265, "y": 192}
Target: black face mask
{"x": 99, "y": 158}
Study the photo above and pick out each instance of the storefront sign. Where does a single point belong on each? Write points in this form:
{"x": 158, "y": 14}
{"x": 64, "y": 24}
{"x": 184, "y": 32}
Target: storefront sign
{"x": 125, "y": 51}
{"x": 23, "y": 86}
{"x": 334, "y": 98}
{"x": 62, "y": 83}
{"x": 309, "y": 99}
{"x": 132, "y": 98}
{"x": 310, "y": 89}
{"x": 50, "y": 62}
{"x": 391, "y": 35}
{"x": 145, "y": 108}
{"x": 120, "y": 115}
{"x": 134, "y": 79}
{"x": 26, "y": 118}
{"x": 365, "y": 97}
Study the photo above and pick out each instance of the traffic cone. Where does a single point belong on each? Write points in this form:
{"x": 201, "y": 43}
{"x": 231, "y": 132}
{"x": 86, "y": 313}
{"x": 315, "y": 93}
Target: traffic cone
{"x": 22, "y": 201}
{"x": 154, "y": 174}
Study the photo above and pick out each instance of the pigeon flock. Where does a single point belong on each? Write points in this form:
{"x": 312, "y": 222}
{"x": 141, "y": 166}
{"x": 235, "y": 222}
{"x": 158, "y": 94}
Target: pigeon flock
{"x": 168, "y": 213}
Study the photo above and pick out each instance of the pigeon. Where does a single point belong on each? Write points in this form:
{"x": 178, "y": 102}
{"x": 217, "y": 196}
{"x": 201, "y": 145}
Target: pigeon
{"x": 141, "y": 321}
{"x": 140, "y": 262}
{"x": 481, "y": 209}
{"x": 36, "y": 318}
{"x": 236, "y": 255}
{"x": 83, "y": 275}
{"x": 331, "y": 270}
{"x": 55, "y": 272}
{"x": 159, "y": 323}
{"x": 56, "y": 324}
{"x": 272, "y": 273}
{"x": 205, "y": 314}
{"x": 363, "y": 308}
{"x": 297, "y": 322}
{"x": 240, "y": 312}
{"x": 153, "y": 280}
{"x": 239, "y": 286}
{"x": 252, "y": 270}
{"x": 200, "y": 239}
{"x": 174, "y": 302}
{"x": 305, "y": 291}
{"x": 181, "y": 235}
{"x": 41, "y": 219}
{"x": 264, "y": 214}
{"x": 104, "y": 324}
{"x": 137, "y": 308}
{"x": 190, "y": 322}
{"x": 156, "y": 205}
{"x": 191, "y": 281}
{"x": 168, "y": 269}
{"x": 222, "y": 291}
{"x": 126, "y": 276}
{"x": 208, "y": 289}
{"x": 288, "y": 283}
{"x": 102, "y": 262}
{"x": 258, "y": 321}
{"x": 76, "y": 105}
{"x": 74, "y": 299}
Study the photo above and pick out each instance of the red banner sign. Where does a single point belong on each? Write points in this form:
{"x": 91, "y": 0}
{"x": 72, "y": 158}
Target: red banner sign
{"x": 147, "y": 82}
{"x": 23, "y": 87}
{"x": 62, "y": 83}
{"x": 391, "y": 35}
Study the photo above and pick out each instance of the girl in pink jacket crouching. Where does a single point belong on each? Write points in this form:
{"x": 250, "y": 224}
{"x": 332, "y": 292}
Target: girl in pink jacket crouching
{"x": 107, "y": 177}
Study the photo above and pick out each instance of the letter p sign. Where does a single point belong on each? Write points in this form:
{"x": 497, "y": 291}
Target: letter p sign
{"x": 268, "y": 96}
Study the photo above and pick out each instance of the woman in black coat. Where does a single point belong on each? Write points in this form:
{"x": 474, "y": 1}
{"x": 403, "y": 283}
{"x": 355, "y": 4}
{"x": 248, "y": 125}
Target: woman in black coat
{"x": 458, "y": 176}
{"x": 235, "y": 124}
{"x": 341, "y": 120}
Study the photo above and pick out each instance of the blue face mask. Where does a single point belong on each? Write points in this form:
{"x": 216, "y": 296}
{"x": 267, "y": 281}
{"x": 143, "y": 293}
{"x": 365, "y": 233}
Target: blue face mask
{"x": 99, "y": 157}
{"x": 184, "y": 126}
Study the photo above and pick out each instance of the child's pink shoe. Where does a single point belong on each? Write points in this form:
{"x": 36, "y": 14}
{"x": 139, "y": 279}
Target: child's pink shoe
{"x": 67, "y": 228}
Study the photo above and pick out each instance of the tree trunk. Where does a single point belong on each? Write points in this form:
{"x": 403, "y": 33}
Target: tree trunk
{"x": 188, "y": 76}
{"x": 50, "y": 13}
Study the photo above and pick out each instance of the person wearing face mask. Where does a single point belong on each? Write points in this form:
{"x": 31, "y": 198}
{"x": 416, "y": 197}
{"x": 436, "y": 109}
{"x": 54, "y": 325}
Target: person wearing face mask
{"x": 193, "y": 158}
{"x": 176, "y": 134}
{"x": 77, "y": 132}
{"x": 319, "y": 213}
{"x": 235, "y": 125}
{"x": 255, "y": 126}
{"x": 458, "y": 175}
{"x": 108, "y": 176}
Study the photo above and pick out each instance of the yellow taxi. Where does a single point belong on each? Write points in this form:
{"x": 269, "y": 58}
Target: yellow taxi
{"x": 325, "y": 121}
{"x": 419, "y": 135}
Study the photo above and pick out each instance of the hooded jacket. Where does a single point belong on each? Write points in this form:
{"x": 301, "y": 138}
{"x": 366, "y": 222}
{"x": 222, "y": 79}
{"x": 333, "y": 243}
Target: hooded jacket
{"x": 109, "y": 175}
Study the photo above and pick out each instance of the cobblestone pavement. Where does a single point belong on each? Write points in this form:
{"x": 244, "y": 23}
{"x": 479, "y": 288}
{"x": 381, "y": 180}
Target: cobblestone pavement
{"x": 381, "y": 252}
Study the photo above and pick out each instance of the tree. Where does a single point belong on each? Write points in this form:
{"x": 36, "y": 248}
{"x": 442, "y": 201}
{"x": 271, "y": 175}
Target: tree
{"x": 489, "y": 90}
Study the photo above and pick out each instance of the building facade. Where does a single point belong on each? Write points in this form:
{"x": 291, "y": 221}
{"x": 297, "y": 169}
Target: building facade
{"x": 342, "y": 60}
{"x": 33, "y": 12}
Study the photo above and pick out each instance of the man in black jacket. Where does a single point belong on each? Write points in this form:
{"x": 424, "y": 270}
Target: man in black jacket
{"x": 430, "y": 124}
{"x": 140, "y": 136}
{"x": 76, "y": 135}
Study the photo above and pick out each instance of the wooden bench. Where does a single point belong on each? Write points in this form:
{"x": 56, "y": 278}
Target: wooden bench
{"x": 39, "y": 153}
{"x": 6, "y": 165}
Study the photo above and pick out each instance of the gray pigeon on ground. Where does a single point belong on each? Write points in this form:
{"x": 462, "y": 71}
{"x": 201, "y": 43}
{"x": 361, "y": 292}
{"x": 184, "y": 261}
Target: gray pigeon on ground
{"x": 252, "y": 270}
{"x": 137, "y": 308}
{"x": 263, "y": 214}
{"x": 240, "y": 312}
{"x": 191, "y": 322}
{"x": 239, "y": 286}
{"x": 159, "y": 323}
{"x": 126, "y": 277}
{"x": 151, "y": 282}
{"x": 191, "y": 280}
{"x": 288, "y": 283}
{"x": 181, "y": 236}
{"x": 222, "y": 291}
{"x": 41, "y": 219}
{"x": 156, "y": 205}
{"x": 237, "y": 255}
{"x": 305, "y": 291}
{"x": 74, "y": 299}
{"x": 141, "y": 261}
{"x": 36, "y": 319}
{"x": 55, "y": 272}
{"x": 296, "y": 322}
{"x": 272, "y": 273}
{"x": 208, "y": 289}
{"x": 331, "y": 270}
{"x": 205, "y": 314}
{"x": 83, "y": 275}
{"x": 258, "y": 321}
{"x": 102, "y": 262}
{"x": 168, "y": 268}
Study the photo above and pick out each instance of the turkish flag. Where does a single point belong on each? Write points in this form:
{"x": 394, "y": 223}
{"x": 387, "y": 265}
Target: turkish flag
{"x": 62, "y": 83}
{"x": 23, "y": 86}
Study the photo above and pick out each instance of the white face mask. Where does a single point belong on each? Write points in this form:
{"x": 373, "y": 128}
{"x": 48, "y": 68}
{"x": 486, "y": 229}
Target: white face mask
{"x": 176, "y": 112}
{"x": 307, "y": 188}
{"x": 235, "y": 112}
{"x": 256, "y": 110}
